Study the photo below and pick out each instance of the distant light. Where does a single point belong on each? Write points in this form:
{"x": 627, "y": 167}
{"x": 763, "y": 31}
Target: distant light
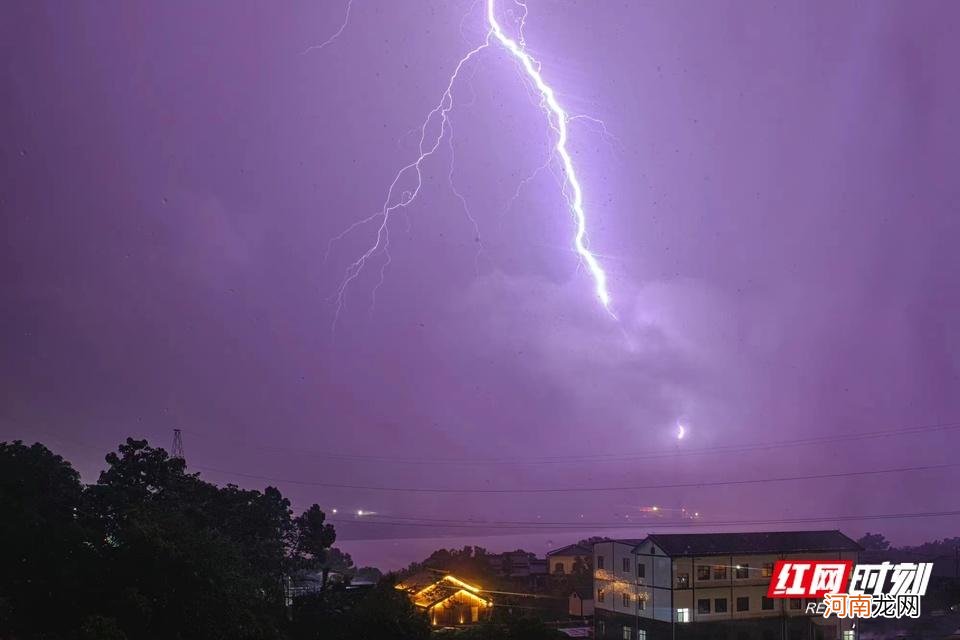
{"x": 656, "y": 508}
{"x": 681, "y": 431}
{"x": 334, "y": 511}
{"x": 359, "y": 512}
{"x": 696, "y": 514}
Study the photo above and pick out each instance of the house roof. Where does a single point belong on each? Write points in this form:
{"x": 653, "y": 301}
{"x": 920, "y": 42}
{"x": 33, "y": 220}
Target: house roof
{"x": 571, "y": 550}
{"x": 427, "y": 589}
{"x": 705, "y": 544}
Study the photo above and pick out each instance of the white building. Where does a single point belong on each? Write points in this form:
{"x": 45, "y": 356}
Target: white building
{"x": 709, "y": 585}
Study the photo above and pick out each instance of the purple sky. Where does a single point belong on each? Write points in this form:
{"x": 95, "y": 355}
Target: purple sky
{"x": 778, "y": 214}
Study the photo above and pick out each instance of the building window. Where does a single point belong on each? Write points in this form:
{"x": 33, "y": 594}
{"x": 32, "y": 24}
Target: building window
{"x": 641, "y": 570}
{"x": 626, "y": 565}
{"x": 767, "y": 570}
{"x": 683, "y": 581}
{"x": 599, "y": 562}
{"x": 849, "y": 635}
{"x": 683, "y": 615}
{"x": 558, "y": 567}
{"x": 601, "y": 628}
{"x": 626, "y": 599}
{"x": 627, "y": 633}
{"x": 743, "y": 571}
{"x": 703, "y": 606}
{"x": 642, "y": 634}
{"x": 766, "y": 603}
{"x": 641, "y": 603}
{"x": 703, "y": 572}
{"x": 795, "y": 603}
{"x": 743, "y": 604}
{"x": 599, "y": 595}
{"x": 719, "y": 605}
{"x": 719, "y": 572}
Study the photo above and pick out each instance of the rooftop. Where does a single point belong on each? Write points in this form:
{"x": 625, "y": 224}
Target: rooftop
{"x": 571, "y": 550}
{"x": 705, "y": 544}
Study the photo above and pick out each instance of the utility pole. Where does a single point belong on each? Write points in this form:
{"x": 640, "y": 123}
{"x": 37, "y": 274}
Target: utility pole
{"x": 177, "y": 451}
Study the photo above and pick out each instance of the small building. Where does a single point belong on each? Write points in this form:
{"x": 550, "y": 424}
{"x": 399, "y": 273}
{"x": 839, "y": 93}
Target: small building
{"x": 561, "y": 561}
{"x": 524, "y": 569}
{"x": 581, "y": 604}
{"x": 446, "y": 599}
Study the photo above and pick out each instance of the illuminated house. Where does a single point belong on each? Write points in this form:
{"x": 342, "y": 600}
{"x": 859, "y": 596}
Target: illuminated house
{"x": 446, "y": 599}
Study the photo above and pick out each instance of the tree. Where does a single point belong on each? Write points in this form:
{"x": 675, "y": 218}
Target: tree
{"x": 376, "y": 613}
{"x": 874, "y": 542}
{"x": 42, "y": 543}
{"x": 185, "y": 558}
{"x": 314, "y": 538}
{"x": 152, "y": 552}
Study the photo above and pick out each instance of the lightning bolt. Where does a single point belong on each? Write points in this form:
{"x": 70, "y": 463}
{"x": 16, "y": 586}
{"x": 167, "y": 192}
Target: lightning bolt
{"x": 333, "y": 38}
{"x": 398, "y": 199}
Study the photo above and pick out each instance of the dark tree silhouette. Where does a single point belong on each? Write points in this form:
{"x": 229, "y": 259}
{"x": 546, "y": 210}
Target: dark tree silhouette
{"x": 152, "y": 552}
{"x": 42, "y": 543}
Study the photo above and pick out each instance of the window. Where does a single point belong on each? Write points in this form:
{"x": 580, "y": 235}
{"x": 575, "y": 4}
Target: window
{"x": 743, "y": 571}
{"x": 683, "y": 615}
{"x": 599, "y": 562}
{"x": 642, "y": 634}
{"x": 743, "y": 604}
{"x": 767, "y": 570}
{"x": 641, "y": 603}
{"x": 558, "y": 567}
{"x": 719, "y": 572}
{"x": 703, "y": 606}
{"x": 703, "y": 572}
{"x": 601, "y": 628}
{"x": 795, "y": 603}
{"x": 766, "y": 603}
{"x": 599, "y": 595}
{"x": 626, "y": 565}
{"x": 627, "y": 633}
{"x": 719, "y": 605}
{"x": 683, "y": 581}
{"x": 626, "y": 599}
{"x": 641, "y": 570}
{"x": 849, "y": 635}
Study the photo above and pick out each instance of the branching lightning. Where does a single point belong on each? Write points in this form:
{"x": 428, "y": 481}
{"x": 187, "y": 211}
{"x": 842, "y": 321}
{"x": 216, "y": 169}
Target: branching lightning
{"x": 332, "y": 39}
{"x": 398, "y": 199}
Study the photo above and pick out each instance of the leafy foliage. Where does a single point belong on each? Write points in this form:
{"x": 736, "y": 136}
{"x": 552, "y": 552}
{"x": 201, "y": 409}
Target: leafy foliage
{"x": 153, "y": 552}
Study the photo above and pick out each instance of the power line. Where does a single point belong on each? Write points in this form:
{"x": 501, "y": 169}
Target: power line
{"x": 671, "y": 485}
{"x": 608, "y": 457}
{"x": 677, "y": 524}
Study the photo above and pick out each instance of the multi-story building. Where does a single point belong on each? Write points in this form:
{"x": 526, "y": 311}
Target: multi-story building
{"x": 710, "y": 586}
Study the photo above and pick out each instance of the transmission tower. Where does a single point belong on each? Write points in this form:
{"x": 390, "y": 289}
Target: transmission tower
{"x": 177, "y": 451}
